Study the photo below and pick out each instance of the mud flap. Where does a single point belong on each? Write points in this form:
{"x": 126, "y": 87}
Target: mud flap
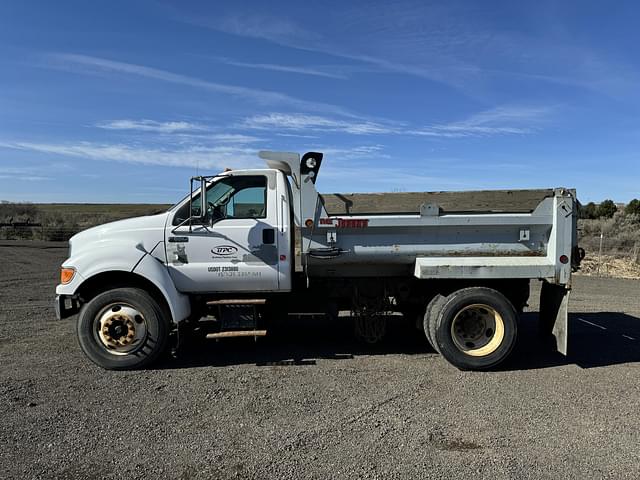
{"x": 554, "y": 312}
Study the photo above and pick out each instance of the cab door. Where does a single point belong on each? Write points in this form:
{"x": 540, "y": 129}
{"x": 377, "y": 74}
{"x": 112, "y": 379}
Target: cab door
{"x": 235, "y": 247}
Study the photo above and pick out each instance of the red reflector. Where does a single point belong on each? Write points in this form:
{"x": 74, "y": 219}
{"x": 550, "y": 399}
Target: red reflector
{"x": 564, "y": 259}
{"x": 283, "y": 258}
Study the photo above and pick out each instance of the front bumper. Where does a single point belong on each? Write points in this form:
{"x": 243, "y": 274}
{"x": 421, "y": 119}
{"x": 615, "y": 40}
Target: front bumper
{"x": 65, "y": 306}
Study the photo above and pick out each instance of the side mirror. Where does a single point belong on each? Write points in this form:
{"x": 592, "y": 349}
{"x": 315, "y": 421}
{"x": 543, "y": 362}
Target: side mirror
{"x": 202, "y": 212}
{"x": 203, "y": 197}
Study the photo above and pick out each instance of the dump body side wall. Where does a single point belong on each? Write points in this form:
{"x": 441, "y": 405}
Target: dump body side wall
{"x": 472, "y": 245}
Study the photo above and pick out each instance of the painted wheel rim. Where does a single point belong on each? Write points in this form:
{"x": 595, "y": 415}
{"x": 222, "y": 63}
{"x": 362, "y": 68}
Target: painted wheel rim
{"x": 477, "y": 330}
{"x": 120, "y": 328}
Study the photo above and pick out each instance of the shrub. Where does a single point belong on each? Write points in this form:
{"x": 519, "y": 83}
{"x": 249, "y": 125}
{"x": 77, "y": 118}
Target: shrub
{"x": 18, "y": 212}
{"x": 588, "y": 211}
{"x": 606, "y": 209}
{"x": 59, "y": 227}
{"x": 633, "y": 207}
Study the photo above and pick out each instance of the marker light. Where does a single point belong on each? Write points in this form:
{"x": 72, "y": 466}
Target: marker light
{"x": 308, "y": 223}
{"x": 66, "y": 274}
{"x": 564, "y": 259}
{"x": 311, "y": 162}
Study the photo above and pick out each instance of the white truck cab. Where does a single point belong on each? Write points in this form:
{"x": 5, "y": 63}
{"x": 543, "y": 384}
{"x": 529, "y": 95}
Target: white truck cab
{"x": 242, "y": 243}
{"x": 246, "y": 245}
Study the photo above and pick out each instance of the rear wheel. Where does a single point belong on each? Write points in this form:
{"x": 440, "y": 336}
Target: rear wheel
{"x": 122, "y": 329}
{"x": 431, "y": 319}
{"x": 475, "y": 328}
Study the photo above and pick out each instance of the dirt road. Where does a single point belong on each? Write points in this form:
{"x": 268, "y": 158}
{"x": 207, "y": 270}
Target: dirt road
{"x": 314, "y": 404}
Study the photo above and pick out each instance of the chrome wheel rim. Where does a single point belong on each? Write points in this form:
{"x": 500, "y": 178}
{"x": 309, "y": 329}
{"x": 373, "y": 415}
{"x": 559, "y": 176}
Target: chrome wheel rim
{"x": 477, "y": 330}
{"x": 120, "y": 328}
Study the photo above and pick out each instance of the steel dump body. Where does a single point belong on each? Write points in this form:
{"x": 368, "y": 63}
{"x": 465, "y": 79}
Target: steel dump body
{"x": 487, "y": 234}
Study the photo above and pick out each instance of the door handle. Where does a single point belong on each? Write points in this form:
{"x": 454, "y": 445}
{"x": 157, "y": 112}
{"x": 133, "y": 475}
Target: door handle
{"x": 178, "y": 239}
{"x": 268, "y": 236}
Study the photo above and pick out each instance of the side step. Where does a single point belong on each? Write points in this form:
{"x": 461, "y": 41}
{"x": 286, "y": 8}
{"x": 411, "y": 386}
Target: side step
{"x": 237, "y": 317}
{"x": 237, "y": 333}
{"x": 240, "y": 301}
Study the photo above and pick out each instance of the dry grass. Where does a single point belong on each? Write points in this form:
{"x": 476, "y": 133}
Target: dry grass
{"x": 621, "y": 234}
{"x": 610, "y": 267}
{"x": 620, "y": 246}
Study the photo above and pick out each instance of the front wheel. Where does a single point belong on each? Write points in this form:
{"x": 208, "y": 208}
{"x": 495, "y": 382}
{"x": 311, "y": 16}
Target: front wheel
{"x": 122, "y": 329}
{"x": 475, "y": 328}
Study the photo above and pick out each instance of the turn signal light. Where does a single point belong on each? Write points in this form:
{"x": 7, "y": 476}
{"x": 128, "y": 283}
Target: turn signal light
{"x": 66, "y": 274}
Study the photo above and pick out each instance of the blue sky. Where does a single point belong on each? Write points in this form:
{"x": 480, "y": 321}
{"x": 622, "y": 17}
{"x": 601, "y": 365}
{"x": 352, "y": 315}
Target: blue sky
{"x": 122, "y": 101}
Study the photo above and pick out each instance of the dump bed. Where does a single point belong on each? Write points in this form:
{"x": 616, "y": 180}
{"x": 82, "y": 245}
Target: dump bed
{"x": 474, "y": 234}
{"x": 483, "y": 201}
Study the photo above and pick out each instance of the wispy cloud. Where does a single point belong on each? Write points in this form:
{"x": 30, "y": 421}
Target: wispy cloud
{"x": 354, "y": 152}
{"x": 442, "y": 43}
{"x": 302, "y": 70}
{"x": 510, "y": 114}
{"x": 210, "y": 157}
{"x": 427, "y": 45}
{"x": 295, "y": 135}
{"x": 213, "y": 157}
{"x": 178, "y": 129}
{"x": 89, "y": 64}
{"x": 234, "y": 138}
{"x": 505, "y": 120}
{"x": 498, "y": 121}
{"x": 151, "y": 126}
{"x": 23, "y": 173}
{"x": 301, "y": 122}
{"x": 26, "y": 178}
{"x": 276, "y": 29}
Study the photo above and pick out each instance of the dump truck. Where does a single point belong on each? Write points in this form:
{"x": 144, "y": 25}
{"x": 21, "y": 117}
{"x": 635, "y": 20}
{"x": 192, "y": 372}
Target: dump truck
{"x": 246, "y": 247}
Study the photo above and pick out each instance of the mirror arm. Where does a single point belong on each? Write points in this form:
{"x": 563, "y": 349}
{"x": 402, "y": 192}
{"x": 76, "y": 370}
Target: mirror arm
{"x": 173, "y": 230}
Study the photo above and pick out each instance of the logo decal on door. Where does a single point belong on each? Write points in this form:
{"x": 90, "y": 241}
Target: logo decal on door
{"x": 224, "y": 251}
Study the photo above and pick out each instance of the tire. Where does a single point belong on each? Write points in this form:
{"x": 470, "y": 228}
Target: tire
{"x": 431, "y": 317}
{"x": 475, "y": 329}
{"x": 123, "y": 329}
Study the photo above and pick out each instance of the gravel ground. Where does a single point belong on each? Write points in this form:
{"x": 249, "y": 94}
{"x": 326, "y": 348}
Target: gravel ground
{"x": 314, "y": 404}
